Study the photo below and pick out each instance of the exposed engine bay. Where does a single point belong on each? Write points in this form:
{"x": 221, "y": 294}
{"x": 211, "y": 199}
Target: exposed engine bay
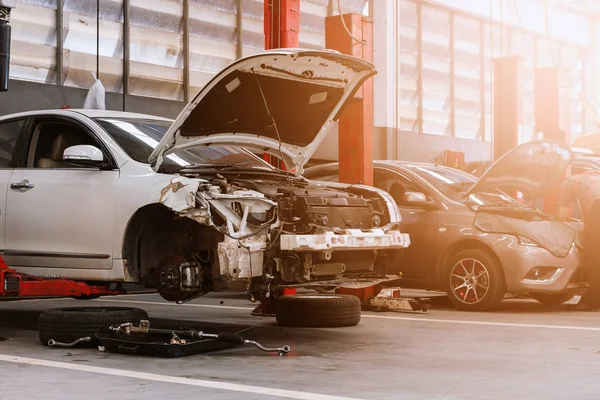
{"x": 279, "y": 231}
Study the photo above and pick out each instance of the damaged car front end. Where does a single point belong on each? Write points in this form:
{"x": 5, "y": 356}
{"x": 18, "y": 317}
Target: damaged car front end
{"x": 271, "y": 228}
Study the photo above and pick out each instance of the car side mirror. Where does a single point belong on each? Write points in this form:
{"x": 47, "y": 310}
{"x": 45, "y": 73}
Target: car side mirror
{"x": 417, "y": 199}
{"x": 84, "y": 156}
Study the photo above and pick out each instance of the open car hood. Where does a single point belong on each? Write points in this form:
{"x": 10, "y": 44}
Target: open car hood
{"x": 531, "y": 168}
{"x": 291, "y": 94}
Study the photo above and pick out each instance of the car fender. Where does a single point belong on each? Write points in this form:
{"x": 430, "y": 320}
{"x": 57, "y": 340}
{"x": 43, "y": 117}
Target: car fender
{"x": 139, "y": 187}
{"x": 454, "y": 239}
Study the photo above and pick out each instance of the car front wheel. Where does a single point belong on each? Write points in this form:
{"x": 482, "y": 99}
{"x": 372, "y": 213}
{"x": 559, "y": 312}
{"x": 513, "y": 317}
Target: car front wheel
{"x": 474, "y": 281}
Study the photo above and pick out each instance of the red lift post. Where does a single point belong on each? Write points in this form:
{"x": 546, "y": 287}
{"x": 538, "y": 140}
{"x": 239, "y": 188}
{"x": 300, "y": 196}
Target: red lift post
{"x": 282, "y": 30}
{"x": 548, "y": 116}
{"x": 507, "y": 105}
{"x": 355, "y": 128}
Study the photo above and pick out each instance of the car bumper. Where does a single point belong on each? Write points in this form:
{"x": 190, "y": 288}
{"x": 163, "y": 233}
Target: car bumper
{"x": 352, "y": 239}
{"x": 520, "y": 261}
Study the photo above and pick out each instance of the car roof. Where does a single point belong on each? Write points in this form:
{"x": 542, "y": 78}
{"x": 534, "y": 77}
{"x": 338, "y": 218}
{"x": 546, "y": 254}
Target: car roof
{"x": 90, "y": 113}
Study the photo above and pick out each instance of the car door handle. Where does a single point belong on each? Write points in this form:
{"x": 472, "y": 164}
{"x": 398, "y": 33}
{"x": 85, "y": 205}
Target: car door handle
{"x": 22, "y": 185}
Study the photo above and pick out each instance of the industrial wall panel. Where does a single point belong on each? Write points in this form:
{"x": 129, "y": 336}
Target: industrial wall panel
{"x": 80, "y": 61}
{"x": 496, "y": 44}
{"x": 213, "y": 39}
{"x": 408, "y": 74}
{"x": 156, "y": 49}
{"x": 523, "y": 45}
{"x": 436, "y": 71}
{"x": 571, "y": 85}
{"x": 467, "y": 77}
{"x": 33, "y": 55}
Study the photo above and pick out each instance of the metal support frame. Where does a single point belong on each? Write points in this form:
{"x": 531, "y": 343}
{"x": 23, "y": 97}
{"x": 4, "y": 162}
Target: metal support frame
{"x": 482, "y": 125}
{"x": 5, "y": 39}
{"x": 420, "y": 66}
{"x": 98, "y": 39}
{"x": 186, "y": 51}
{"x": 452, "y": 79}
{"x": 126, "y": 50}
{"x": 59, "y": 42}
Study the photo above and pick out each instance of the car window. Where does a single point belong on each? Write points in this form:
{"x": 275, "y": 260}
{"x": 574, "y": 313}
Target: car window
{"x": 139, "y": 137}
{"x": 51, "y": 138}
{"x": 395, "y": 184}
{"x": 9, "y": 133}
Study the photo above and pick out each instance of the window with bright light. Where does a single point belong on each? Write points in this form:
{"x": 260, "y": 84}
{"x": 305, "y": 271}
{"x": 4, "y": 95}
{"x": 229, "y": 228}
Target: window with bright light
{"x": 408, "y": 91}
{"x": 436, "y": 71}
{"x": 467, "y": 77}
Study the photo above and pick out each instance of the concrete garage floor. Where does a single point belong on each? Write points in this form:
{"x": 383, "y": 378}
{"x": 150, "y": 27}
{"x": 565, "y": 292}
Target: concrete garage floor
{"x": 522, "y": 351}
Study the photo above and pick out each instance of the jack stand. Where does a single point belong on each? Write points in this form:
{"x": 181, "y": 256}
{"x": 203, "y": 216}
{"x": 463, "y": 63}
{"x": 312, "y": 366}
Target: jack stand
{"x": 389, "y": 300}
{"x": 266, "y": 308}
{"x": 375, "y": 298}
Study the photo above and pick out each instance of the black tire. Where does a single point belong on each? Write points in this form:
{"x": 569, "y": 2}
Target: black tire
{"x": 318, "y": 310}
{"x": 552, "y": 299}
{"x": 496, "y": 286}
{"x": 69, "y": 324}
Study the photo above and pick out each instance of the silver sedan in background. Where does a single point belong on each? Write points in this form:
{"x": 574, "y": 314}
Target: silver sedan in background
{"x": 471, "y": 239}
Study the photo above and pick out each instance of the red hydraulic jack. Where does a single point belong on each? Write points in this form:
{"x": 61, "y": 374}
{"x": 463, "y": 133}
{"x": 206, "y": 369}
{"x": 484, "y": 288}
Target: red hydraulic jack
{"x": 266, "y": 308}
{"x": 19, "y": 286}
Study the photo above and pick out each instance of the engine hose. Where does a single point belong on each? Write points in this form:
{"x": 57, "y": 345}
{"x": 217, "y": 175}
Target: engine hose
{"x": 232, "y": 338}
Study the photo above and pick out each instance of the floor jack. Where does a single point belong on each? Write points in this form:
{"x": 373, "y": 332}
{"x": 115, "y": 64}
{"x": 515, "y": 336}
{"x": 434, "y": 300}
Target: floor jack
{"x": 18, "y": 286}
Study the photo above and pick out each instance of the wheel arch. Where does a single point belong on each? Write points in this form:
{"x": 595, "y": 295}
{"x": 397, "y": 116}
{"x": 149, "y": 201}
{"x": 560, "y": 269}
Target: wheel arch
{"x": 154, "y": 232}
{"x": 130, "y": 246}
{"x": 461, "y": 245}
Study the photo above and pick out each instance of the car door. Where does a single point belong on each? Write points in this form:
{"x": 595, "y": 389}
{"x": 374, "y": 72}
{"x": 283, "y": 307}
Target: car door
{"x": 417, "y": 261}
{"x": 59, "y": 215}
{"x": 10, "y": 130}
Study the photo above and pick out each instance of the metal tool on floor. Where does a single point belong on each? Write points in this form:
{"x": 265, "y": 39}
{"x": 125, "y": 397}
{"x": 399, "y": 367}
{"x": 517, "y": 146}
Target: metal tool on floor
{"x": 124, "y": 338}
{"x": 54, "y": 343}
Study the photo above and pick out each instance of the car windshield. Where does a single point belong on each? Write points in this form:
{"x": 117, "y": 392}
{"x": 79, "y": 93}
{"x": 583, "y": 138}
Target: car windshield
{"x": 139, "y": 137}
{"x": 454, "y": 184}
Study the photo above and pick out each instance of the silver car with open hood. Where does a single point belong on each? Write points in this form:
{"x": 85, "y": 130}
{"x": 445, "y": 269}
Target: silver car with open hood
{"x": 269, "y": 227}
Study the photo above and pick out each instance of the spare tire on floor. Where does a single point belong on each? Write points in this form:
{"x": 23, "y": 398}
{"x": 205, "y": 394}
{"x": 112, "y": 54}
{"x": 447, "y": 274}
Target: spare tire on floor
{"x": 317, "y": 310}
{"x": 69, "y": 324}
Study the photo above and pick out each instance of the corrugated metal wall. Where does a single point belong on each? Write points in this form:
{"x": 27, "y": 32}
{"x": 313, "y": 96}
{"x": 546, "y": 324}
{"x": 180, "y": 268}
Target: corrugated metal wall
{"x": 157, "y": 41}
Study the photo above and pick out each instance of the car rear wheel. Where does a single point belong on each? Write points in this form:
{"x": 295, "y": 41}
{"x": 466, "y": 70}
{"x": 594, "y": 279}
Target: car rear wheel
{"x": 318, "y": 310}
{"x": 552, "y": 299}
{"x": 474, "y": 281}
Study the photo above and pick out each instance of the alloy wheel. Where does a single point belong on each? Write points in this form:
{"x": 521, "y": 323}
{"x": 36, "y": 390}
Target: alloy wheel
{"x": 469, "y": 281}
